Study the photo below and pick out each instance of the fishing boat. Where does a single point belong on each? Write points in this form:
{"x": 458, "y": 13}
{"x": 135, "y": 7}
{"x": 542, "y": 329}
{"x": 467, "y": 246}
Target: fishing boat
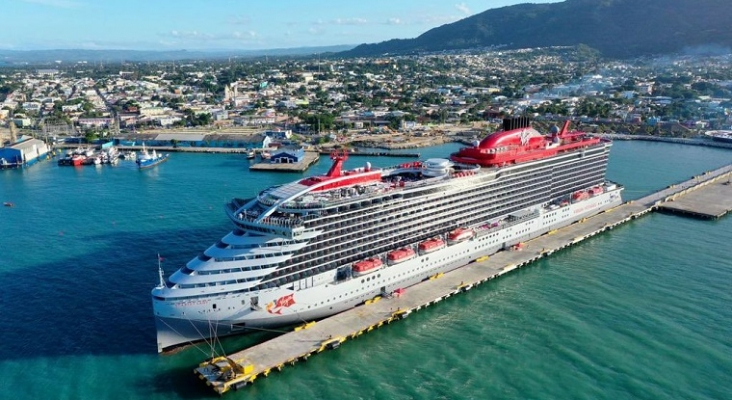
{"x": 149, "y": 159}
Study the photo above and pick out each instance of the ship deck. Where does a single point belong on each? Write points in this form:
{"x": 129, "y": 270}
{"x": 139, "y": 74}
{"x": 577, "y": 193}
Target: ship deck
{"x": 244, "y": 367}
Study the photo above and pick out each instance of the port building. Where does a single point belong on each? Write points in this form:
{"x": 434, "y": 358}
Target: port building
{"x": 24, "y": 152}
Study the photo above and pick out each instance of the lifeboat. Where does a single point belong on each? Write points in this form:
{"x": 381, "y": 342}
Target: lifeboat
{"x": 597, "y": 190}
{"x": 366, "y": 266}
{"x": 430, "y": 245}
{"x": 580, "y": 195}
{"x": 460, "y": 234}
{"x": 399, "y": 255}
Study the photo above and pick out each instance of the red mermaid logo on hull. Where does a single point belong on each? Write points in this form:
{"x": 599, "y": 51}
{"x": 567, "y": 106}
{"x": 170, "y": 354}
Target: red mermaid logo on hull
{"x": 275, "y": 307}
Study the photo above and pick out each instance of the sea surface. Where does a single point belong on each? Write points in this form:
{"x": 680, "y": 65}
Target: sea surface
{"x": 640, "y": 312}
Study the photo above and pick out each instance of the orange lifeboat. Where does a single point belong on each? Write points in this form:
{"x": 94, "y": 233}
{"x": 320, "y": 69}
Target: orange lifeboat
{"x": 580, "y": 195}
{"x": 597, "y": 190}
{"x": 399, "y": 255}
{"x": 366, "y": 266}
{"x": 430, "y": 245}
{"x": 460, "y": 234}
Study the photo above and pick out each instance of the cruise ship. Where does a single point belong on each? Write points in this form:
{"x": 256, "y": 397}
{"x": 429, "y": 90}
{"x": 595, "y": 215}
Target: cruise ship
{"x": 323, "y": 244}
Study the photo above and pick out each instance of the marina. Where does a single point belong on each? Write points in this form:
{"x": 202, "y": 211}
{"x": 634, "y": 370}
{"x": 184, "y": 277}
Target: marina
{"x": 242, "y": 368}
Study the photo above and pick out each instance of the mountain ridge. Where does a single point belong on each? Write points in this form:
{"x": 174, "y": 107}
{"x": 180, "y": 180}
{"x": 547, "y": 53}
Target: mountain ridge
{"x": 76, "y": 55}
{"x": 617, "y": 28}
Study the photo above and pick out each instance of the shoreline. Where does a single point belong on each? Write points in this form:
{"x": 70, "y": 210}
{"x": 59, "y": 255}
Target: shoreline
{"x": 412, "y": 143}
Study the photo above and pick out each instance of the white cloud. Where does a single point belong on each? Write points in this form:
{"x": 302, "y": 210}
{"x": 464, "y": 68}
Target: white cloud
{"x": 56, "y": 3}
{"x": 350, "y": 21}
{"x": 439, "y": 19}
{"x": 244, "y": 37}
{"x": 463, "y": 8}
{"x": 423, "y": 20}
{"x": 191, "y": 35}
{"x": 316, "y": 31}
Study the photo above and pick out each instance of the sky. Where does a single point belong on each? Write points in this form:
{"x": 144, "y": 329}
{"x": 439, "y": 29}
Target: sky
{"x": 223, "y": 24}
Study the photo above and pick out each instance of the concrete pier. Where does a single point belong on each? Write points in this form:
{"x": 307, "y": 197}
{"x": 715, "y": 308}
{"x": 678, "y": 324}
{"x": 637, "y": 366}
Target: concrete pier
{"x": 244, "y": 367}
{"x": 713, "y": 202}
{"x": 309, "y": 159}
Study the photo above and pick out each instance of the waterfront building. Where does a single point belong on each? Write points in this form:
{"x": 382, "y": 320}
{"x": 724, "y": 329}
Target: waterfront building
{"x": 26, "y": 152}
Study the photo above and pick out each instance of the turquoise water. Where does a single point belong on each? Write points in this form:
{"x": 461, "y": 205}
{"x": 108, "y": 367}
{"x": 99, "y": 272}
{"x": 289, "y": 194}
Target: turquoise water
{"x": 638, "y": 312}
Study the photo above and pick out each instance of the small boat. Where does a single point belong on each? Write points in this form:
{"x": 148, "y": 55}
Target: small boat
{"x": 8, "y": 204}
{"x": 149, "y": 160}
{"x": 580, "y": 195}
{"x": 399, "y": 255}
{"x": 366, "y": 266}
{"x": 251, "y": 154}
{"x": 460, "y": 234}
{"x": 597, "y": 190}
{"x": 77, "y": 159}
{"x": 430, "y": 245}
{"x": 265, "y": 155}
{"x": 5, "y": 164}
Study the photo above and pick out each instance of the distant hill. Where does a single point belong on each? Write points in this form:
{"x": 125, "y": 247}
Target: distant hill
{"x": 617, "y": 28}
{"x": 11, "y": 57}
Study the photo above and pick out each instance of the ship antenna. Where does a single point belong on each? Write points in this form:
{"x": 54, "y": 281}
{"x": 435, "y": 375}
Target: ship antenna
{"x": 160, "y": 272}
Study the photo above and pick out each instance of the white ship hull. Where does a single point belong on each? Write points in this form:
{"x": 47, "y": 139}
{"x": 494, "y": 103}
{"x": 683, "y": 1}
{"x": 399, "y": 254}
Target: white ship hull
{"x": 321, "y": 295}
{"x": 294, "y": 255}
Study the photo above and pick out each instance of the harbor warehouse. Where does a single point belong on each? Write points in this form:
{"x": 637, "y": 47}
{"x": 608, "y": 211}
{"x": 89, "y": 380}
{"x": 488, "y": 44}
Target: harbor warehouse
{"x": 24, "y": 152}
{"x": 289, "y": 156}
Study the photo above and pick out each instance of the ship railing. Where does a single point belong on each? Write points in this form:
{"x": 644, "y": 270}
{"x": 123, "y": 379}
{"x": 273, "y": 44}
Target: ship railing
{"x": 253, "y": 218}
{"x": 237, "y": 203}
{"x": 232, "y": 206}
{"x": 266, "y": 199}
{"x": 335, "y": 199}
